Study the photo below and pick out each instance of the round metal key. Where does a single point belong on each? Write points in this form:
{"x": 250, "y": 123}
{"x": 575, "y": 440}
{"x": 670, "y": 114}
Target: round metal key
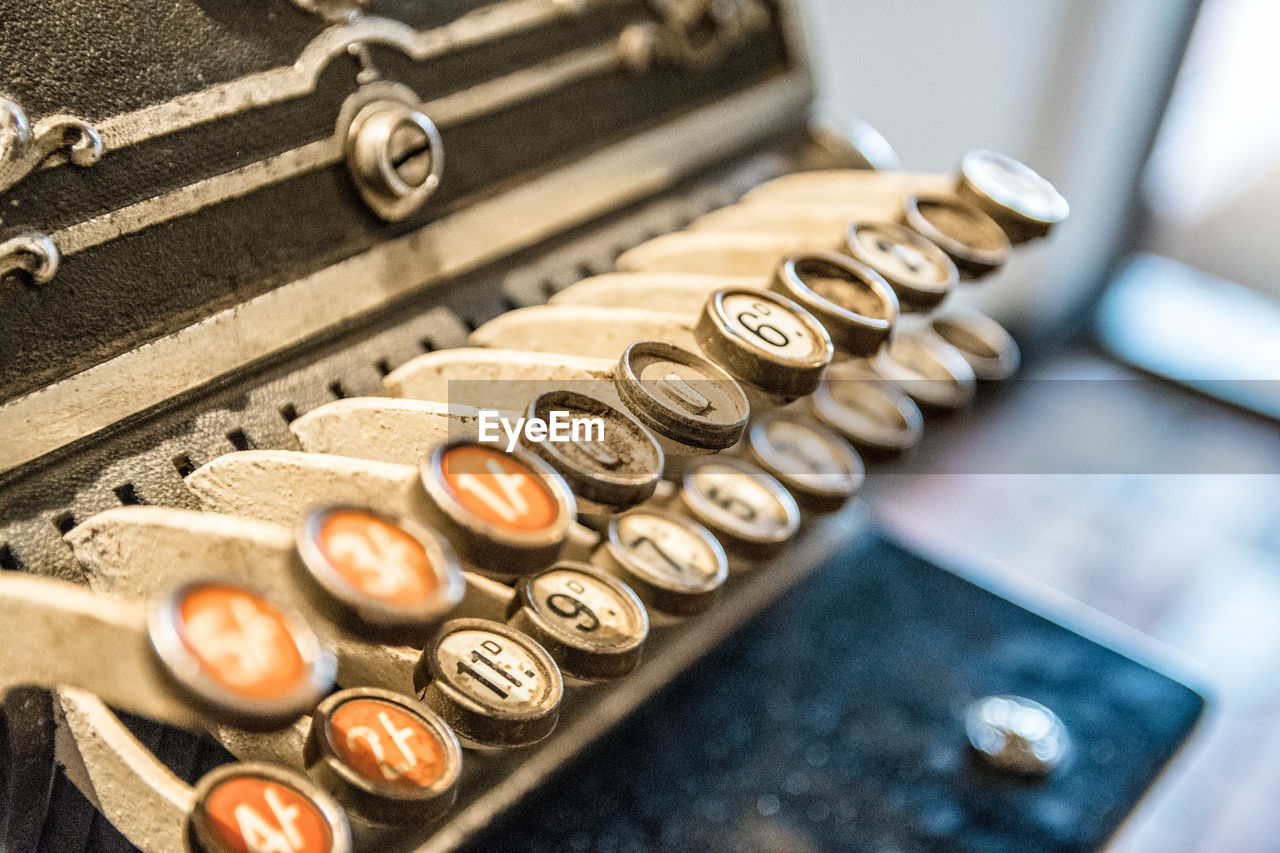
{"x": 673, "y": 563}
{"x": 1024, "y": 204}
{"x": 608, "y": 470}
{"x": 765, "y": 340}
{"x": 507, "y": 514}
{"x": 242, "y": 658}
{"x": 591, "y": 623}
{"x": 682, "y": 396}
{"x": 377, "y": 574}
{"x": 972, "y": 239}
{"x": 1017, "y": 735}
{"x": 816, "y": 465}
{"x": 494, "y": 686}
{"x": 254, "y": 806}
{"x": 930, "y": 371}
{"x": 851, "y": 300}
{"x": 920, "y": 274}
{"x": 990, "y": 350}
{"x": 746, "y": 509}
{"x": 384, "y": 756}
{"x": 870, "y": 412}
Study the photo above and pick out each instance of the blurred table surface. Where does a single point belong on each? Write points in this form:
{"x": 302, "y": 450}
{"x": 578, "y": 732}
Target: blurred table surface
{"x": 1184, "y": 546}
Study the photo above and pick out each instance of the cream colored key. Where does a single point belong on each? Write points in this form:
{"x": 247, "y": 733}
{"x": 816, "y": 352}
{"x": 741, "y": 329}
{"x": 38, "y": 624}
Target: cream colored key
{"x": 136, "y": 550}
{"x": 849, "y": 184}
{"x": 820, "y": 219}
{"x": 679, "y": 292}
{"x": 753, "y": 254}
{"x": 584, "y": 330}
{"x": 427, "y": 377}
{"x": 638, "y": 382}
{"x": 281, "y": 485}
{"x": 761, "y": 338}
{"x": 388, "y": 429}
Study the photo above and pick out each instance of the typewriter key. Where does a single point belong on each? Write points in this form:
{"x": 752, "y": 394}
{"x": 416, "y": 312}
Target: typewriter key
{"x": 972, "y": 239}
{"x": 674, "y": 564}
{"x": 388, "y": 576}
{"x": 851, "y": 300}
{"x": 384, "y": 756}
{"x": 745, "y": 508}
{"x": 1024, "y": 204}
{"x": 870, "y": 412}
{"x": 608, "y": 469}
{"x": 764, "y": 340}
{"x": 247, "y": 661}
{"x": 682, "y": 396}
{"x": 990, "y": 350}
{"x": 508, "y": 514}
{"x": 919, "y": 272}
{"x": 590, "y": 623}
{"x": 817, "y": 466}
{"x": 253, "y": 807}
{"x": 493, "y": 685}
{"x": 931, "y": 372}
{"x": 1017, "y": 735}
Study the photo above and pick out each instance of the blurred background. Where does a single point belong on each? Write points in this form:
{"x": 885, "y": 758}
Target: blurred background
{"x": 1159, "y": 120}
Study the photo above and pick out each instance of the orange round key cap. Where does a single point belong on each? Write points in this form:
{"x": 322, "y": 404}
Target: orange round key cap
{"x": 261, "y": 808}
{"x": 241, "y": 657}
{"x": 377, "y": 574}
{"x": 384, "y": 756}
{"x": 506, "y": 513}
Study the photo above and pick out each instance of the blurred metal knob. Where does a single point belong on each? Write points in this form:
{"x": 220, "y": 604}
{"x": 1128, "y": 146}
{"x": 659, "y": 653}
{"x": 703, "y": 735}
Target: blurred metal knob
{"x": 396, "y": 156}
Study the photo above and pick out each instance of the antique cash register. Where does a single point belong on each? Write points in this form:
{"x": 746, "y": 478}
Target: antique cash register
{"x": 404, "y": 406}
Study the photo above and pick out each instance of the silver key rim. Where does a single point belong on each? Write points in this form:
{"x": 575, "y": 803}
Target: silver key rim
{"x": 361, "y": 610}
{"x": 498, "y": 549}
{"x": 1025, "y": 204}
{"x": 714, "y": 426}
{"x": 928, "y": 370}
{"x": 378, "y": 799}
{"x": 486, "y": 722}
{"x": 577, "y": 653}
{"x": 737, "y": 534}
{"x": 640, "y": 459}
{"x": 665, "y": 591}
{"x": 202, "y": 827}
{"x": 753, "y": 359}
{"x": 185, "y": 667}
{"x": 979, "y": 248}
{"x": 814, "y": 489}
{"x": 867, "y": 410}
{"x": 988, "y": 347}
{"x": 914, "y": 295}
{"x": 856, "y": 332}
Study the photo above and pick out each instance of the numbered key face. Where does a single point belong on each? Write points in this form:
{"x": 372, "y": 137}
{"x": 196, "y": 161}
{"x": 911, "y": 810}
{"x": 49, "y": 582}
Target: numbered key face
{"x": 745, "y": 507}
{"x": 240, "y": 654}
{"x": 815, "y": 464}
{"x": 590, "y": 623}
{"x": 256, "y": 808}
{"x": 505, "y": 513}
{"x": 379, "y": 572}
{"x": 765, "y": 340}
{"x": 975, "y": 242}
{"x": 608, "y": 459}
{"x": 494, "y": 685}
{"x": 871, "y": 413}
{"x": 682, "y": 396}
{"x": 1025, "y": 204}
{"x": 919, "y": 272}
{"x": 673, "y": 563}
{"x": 853, "y": 302}
{"x": 384, "y": 755}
